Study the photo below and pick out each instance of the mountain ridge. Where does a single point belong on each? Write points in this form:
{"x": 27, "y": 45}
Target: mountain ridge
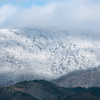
{"x": 83, "y": 78}
{"x": 44, "y": 90}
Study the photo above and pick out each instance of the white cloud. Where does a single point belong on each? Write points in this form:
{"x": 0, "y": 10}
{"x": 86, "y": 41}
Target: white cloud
{"x": 63, "y": 14}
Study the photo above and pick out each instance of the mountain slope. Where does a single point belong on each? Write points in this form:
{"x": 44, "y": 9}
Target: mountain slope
{"x": 85, "y": 78}
{"x": 7, "y": 93}
{"x": 27, "y": 54}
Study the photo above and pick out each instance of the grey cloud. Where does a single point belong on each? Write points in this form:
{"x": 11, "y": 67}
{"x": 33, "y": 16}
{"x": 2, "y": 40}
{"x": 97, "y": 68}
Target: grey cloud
{"x": 63, "y": 14}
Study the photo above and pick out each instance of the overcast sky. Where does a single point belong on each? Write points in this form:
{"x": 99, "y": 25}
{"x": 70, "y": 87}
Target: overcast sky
{"x": 64, "y": 14}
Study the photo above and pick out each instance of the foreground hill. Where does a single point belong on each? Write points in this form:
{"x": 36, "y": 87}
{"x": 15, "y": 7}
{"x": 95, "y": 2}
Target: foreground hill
{"x": 8, "y": 93}
{"x": 43, "y": 90}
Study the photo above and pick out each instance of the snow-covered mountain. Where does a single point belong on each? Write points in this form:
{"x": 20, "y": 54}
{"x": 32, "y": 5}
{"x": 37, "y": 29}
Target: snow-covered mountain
{"x": 30, "y": 53}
